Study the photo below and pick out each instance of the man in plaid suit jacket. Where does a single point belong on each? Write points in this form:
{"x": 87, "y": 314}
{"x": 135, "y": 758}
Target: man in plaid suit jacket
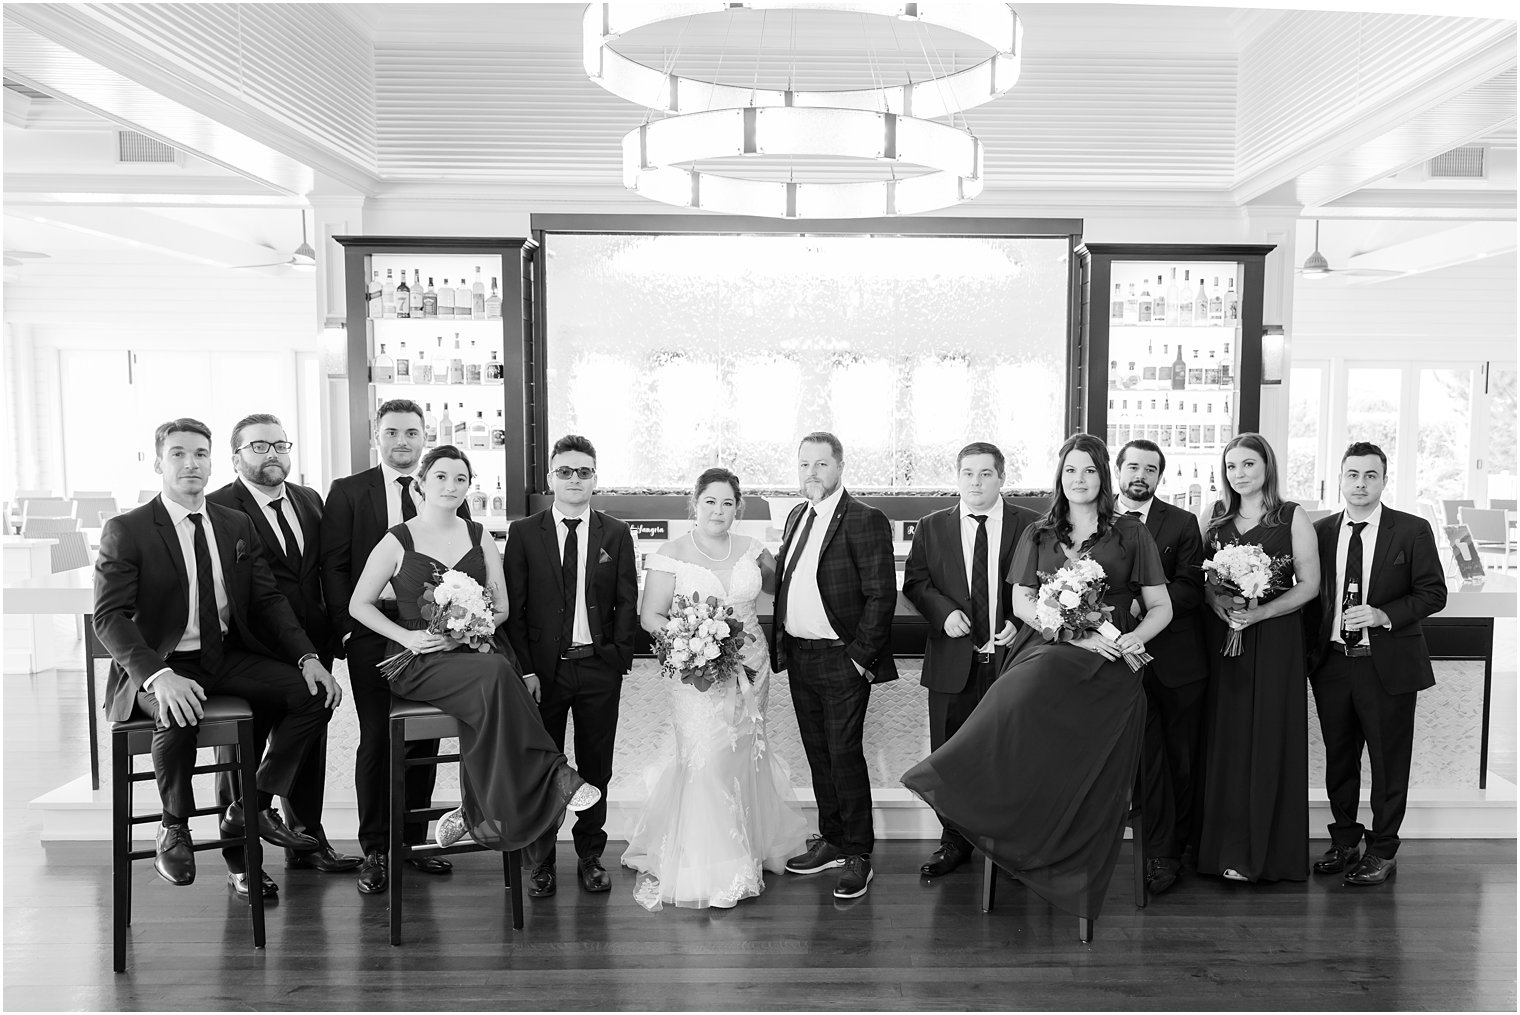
{"x": 832, "y": 632}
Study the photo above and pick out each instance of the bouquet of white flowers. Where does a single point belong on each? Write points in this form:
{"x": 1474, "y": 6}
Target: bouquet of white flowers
{"x": 454, "y": 605}
{"x": 700, "y": 642}
{"x": 1248, "y": 571}
{"x": 1070, "y": 604}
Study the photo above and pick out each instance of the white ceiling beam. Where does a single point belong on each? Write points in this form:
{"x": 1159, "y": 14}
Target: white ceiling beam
{"x": 1461, "y": 244}
{"x": 142, "y": 230}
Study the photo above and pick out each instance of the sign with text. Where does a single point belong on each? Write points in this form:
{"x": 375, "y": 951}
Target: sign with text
{"x": 651, "y": 529}
{"x": 1469, "y": 564}
{"x": 908, "y": 528}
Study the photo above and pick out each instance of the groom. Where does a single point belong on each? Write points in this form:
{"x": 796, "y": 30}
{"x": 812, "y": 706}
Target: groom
{"x": 832, "y": 630}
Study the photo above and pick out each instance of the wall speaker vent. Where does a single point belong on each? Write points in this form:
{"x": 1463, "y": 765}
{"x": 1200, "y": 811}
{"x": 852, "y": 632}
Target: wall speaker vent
{"x": 1465, "y": 163}
{"x": 137, "y": 148}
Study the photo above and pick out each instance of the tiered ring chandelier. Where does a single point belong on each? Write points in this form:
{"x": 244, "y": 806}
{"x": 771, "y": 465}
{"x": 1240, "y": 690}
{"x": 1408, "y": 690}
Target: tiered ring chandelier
{"x": 888, "y": 125}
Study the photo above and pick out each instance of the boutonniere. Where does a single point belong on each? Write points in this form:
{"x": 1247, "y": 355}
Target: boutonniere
{"x": 605, "y": 557}
{"x": 240, "y": 552}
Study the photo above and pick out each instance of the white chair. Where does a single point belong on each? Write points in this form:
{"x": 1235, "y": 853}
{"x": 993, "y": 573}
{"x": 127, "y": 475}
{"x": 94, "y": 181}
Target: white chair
{"x": 1499, "y": 504}
{"x": 1488, "y": 530}
{"x": 46, "y": 507}
{"x": 91, "y": 494}
{"x": 89, "y": 509}
{"x": 33, "y": 528}
{"x": 70, "y": 551}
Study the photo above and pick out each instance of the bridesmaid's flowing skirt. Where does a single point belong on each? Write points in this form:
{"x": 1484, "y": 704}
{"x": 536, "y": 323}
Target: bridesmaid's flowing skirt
{"x": 1040, "y": 775}
{"x": 514, "y": 782}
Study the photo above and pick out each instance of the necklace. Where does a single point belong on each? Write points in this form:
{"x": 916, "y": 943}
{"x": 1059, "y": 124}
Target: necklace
{"x": 728, "y": 553}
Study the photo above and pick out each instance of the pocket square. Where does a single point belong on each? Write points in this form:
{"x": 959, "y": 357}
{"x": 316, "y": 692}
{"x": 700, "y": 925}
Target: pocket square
{"x": 605, "y": 557}
{"x": 240, "y": 552}
{"x": 1400, "y": 558}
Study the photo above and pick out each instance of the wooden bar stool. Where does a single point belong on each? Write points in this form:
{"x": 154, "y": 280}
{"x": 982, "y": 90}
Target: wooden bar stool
{"x": 416, "y": 720}
{"x": 226, "y": 721}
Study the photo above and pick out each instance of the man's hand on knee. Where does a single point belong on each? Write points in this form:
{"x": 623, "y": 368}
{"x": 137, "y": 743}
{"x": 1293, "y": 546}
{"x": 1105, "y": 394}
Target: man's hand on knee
{"x": 179, "y": 700}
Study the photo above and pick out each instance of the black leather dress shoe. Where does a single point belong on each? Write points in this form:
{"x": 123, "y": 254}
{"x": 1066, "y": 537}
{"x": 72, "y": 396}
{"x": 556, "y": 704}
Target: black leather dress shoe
{"x": 541, "y": 882}
{"x": 1161, "y": 873}
{"x": 947, "y": 858}
{"x": 175, "y": 862}
{"x": 594, "y": 877}
{"x": 272, "y": 829}
{"x": 430, "y": 864}
{"x": 325, "y": 859}
{"x": 239, "y": 883}
{"x": 1372, "y": 870}
{"x": 1337, "y": 859}
{"x": 372, "y": 878}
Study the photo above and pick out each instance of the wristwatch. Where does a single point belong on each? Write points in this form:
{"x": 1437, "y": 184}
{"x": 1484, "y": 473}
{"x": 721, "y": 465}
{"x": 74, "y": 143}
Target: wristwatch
{"x": 301, "y": 662}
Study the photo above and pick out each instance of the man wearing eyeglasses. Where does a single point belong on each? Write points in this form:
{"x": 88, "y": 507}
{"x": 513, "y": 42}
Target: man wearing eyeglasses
{"x": 572, "y": 597}
{"x": 286, "y": 518}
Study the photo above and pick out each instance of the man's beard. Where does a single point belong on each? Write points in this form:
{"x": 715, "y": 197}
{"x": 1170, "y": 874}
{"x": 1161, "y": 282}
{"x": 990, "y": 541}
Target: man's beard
{"x": 270, "y": 474}
{"x": 1138, "y": 498}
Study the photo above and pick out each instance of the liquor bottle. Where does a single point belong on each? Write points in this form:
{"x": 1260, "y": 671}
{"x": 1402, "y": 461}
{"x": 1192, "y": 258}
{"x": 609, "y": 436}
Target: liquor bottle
{"x": 1352, "y": 598}
{"x": 376, "y": 296}
{"x": 1147, "y": 306}
{"x": 422, "y": 370}
{"x": 403, "y": 297}
{"x": 1213, "y": 490}
{"x": 1195, "y": 492}
{"x": 1179, "y": 370}
{"x": 1159, "y": 306}
{"x": 1116, "y": 307}
{"x": 461, "y": 428}
{"x": 472, "y": 368}
{"x": 480, "y": 437}
{"x": 403, "y": 366}
{"x": 1185, "y": 299}
{"x": 493, "y": 303}
{"x": 493, "y": 370}
{"x": 477, "y": 298}
{"x": 1201, "y": 304}
{"x": 498, "y": 499}
{"x": 499, "y": 432}
{"x": 445, "y": 433}
{"x": 478, "y": 499}
{"x": 429, "y": 426}
{"x": 1172, "y": 309}
{"x": 456, "y": 362}
{"x": 1216, "y": 302}
{"x": 388, "y": 294}
{"x": 417, "y": 294}
{"x": 430, "y": 300}
{"x": 1132, "y": 306}
{"x": 445, "y": 300}
{"x": 384, "y": 370}
{"x": 1231, "y": 303}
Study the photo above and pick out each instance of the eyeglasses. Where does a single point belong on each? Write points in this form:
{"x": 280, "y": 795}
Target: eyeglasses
{"x": 262, "y": 447}
{"x": 565, "y": 472}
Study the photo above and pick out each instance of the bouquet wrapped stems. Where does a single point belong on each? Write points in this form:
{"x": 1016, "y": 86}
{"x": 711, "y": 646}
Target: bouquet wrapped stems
{"x": 1235, "y": 637}
{"x": 1136, "y": 660}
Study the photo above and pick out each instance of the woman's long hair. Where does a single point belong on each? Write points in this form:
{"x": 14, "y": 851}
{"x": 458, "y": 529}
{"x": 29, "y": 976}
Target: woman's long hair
{"x": 1058, "y": 518}
{"x": 1271, "y": 495}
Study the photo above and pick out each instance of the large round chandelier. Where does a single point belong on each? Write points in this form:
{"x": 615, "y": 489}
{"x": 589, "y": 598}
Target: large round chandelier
{"x": 694, "y": 155}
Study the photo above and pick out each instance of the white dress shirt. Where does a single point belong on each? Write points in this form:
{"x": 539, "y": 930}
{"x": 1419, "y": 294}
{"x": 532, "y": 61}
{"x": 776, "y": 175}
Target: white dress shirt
{"x": 393, "y": 494}
{"x": 266, "y": 501}
{"x": 1143, "y": 510}
{"x": 184, "y": 528}
{"x": 805, "y": 615}
{"x": 968, "y": 553}
{"x": 1342, "y": 544}
{"x": 581, "y": 633}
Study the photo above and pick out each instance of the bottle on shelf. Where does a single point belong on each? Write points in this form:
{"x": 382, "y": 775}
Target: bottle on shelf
{"x": 384, "y": 370}
{"x": 429, "y": 426}
{"x": 1179, "y": 370}
{"x": 417, "y": 294}
{"x": 479, "y": 436}
{"x": 388, "y": 294}
{"x": 445, "y": 434}
{"x": 445, "y": 300}
{"x": 1231, "y": 303}
{"x": 498, "y": 499}
{"x": 1160, "y": 307}
{"x": 456, "y": 362}
{"x": 1216, "y": 302}
{"x": 478, "y": 298}
{"x": 493, "y": 370}
{"x": 493, "y": 303}
{"x": 403, "y": 366}
{"x": 1201, "y": 304}
{"x": 1185, "y": 299}
{"x": 472, "y": 368}
{"x": 1194, "y": 491}
{"x": 1132, "y": 306}
{"x": 1173, "y": 310}
{"x": 403, "y": 297}
{"x": 430, "y": 300}
{"x": 1145, "y": 312}
{"x": 499, "y": 432}
{"x": 1116, "y": 305}
{"x": 376, "y": 296}
{"x": 478, "y": 499}
{"x": 422, "y": 370}
{"x": 461, "y": 427}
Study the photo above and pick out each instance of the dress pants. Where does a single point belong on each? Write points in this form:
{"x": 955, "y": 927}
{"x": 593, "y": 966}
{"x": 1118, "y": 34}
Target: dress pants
{"x": 284, "y": 713}
{"x": 372, "y": 782}
{"x": 948, "y": 711}
{"x": 1173, "y": 721}
{"x": 1354, "y": 711}
{"x": 830, "y": 697}
{"x": 588, "y": 690}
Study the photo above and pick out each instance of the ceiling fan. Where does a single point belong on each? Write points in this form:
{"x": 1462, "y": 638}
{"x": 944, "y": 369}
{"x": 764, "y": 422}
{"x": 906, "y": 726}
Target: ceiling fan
{"x": 1317, "y": 267}
{"x": 16, "y": 258}
{"x": 303, "y": 258}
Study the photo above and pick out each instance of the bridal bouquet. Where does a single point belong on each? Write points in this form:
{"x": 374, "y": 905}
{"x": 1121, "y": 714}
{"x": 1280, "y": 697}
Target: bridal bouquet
{"x": 1248, "y": 571}
{"x": 700, "y": 642}
{"x": 1070, "y": 604}
{"x": 456, "y": 605}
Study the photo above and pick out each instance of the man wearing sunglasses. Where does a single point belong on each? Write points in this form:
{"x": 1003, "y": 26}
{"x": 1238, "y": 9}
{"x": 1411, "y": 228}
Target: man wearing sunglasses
{"x": 286, "y": 518}
{"x": 572, "y": 597}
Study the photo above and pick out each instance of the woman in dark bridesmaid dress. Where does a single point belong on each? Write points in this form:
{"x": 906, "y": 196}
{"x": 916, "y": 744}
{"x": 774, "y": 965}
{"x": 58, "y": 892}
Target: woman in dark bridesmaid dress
{"x": 514, "y": 783}
{"x": 1254, "y": 823}
{"x": 1040, "y": 775}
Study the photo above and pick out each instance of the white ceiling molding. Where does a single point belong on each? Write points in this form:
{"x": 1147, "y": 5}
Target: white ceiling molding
{"x": 1446, "y": 248}
{"x": 118, "y": 188}
{"x": 136, "y": 229}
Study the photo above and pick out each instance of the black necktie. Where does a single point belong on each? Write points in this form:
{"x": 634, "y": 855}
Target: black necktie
{"x": 210, "y": 619}
{"x": 981, "y": 622}
{"x": 568, "y": 571}
{"x": 791, "y": 565}
{"x": 408, "y": 508}
{"x": 1353, "y": 576}
{"x": 1132, "y": 514}
{"x": 292, "y": 548}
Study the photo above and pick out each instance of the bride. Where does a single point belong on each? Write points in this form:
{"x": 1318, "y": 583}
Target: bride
{"x": 721, "y": 809}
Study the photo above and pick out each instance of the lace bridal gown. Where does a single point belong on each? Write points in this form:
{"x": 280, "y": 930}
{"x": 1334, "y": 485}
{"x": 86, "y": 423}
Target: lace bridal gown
{"x": 720, "y": 809}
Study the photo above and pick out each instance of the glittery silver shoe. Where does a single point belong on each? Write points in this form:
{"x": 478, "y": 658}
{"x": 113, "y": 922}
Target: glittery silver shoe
{"x": 585, "y": 797}
{"x": 451, "y": 828}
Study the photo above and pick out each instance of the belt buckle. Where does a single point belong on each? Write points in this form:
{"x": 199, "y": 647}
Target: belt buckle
{"x": 983, "y": 657}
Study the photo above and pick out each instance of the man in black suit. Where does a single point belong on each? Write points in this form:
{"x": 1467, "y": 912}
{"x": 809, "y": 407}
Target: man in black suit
{"x": 572, "y": 597}
{"x": 955, "y": 576}
{"x": 833, "y": 631}
{"x": 360, "y": 509}
{"x": 1380, "y": 576}
{"x": 285, "y": 517}
{"x": 1176, "y": 680}
{"x": 187, "y": 607}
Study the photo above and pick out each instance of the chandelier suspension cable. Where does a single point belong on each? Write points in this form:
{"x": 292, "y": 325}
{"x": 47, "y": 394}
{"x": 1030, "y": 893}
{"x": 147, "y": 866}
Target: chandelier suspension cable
{"x": 938, "y": 68}
{"x": 728, "y": 31}
{"x": 754, "y": 85}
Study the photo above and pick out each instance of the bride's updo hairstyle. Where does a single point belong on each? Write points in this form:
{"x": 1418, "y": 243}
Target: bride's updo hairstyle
{"x": 434, "y": 456}
{"x": 717, "y": 474}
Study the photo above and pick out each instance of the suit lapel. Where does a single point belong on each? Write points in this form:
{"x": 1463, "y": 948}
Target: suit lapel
{"x": 845, "y": 500}
{"x": 257, "y": 514}
{"x": 550, "y": 542}
{"x": 955, "y": 581}
{"x": 171, "y": 543}
{"x": 1154, "y": 519}
{"x": 593, "y": 556}
{"x": 377, "y": 501}
{"x": 1380, "y": 550}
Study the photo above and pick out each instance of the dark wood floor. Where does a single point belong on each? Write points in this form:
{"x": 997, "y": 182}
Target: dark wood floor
{"x": 1441, "y": 936}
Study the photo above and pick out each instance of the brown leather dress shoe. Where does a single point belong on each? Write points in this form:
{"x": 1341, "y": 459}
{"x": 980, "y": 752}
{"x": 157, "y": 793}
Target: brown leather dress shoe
{"x": 594, "y": 877}
{"x": 1337, "y": 859}
{"x": 541, "y": 882}
{"x": 947, "y": 858}
{"x": 1373, "y": 870}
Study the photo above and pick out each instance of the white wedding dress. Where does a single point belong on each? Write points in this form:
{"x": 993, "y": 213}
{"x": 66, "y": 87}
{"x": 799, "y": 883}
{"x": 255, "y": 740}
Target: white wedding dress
{"x": 721, "y": 809}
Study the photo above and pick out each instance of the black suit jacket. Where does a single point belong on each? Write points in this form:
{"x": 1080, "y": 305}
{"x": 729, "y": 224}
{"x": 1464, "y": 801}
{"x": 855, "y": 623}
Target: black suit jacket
{"x": 1179, "y": 649}
{"x": 934, "y": 581}
{"x": 1407, "y": 583}
{"x": 353, "y": 522}
{"x": 142, "y": 590}
{"x": 302, "y": 587}
{"x": 857, "y": 581}
{"x": 536, "y": 597}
